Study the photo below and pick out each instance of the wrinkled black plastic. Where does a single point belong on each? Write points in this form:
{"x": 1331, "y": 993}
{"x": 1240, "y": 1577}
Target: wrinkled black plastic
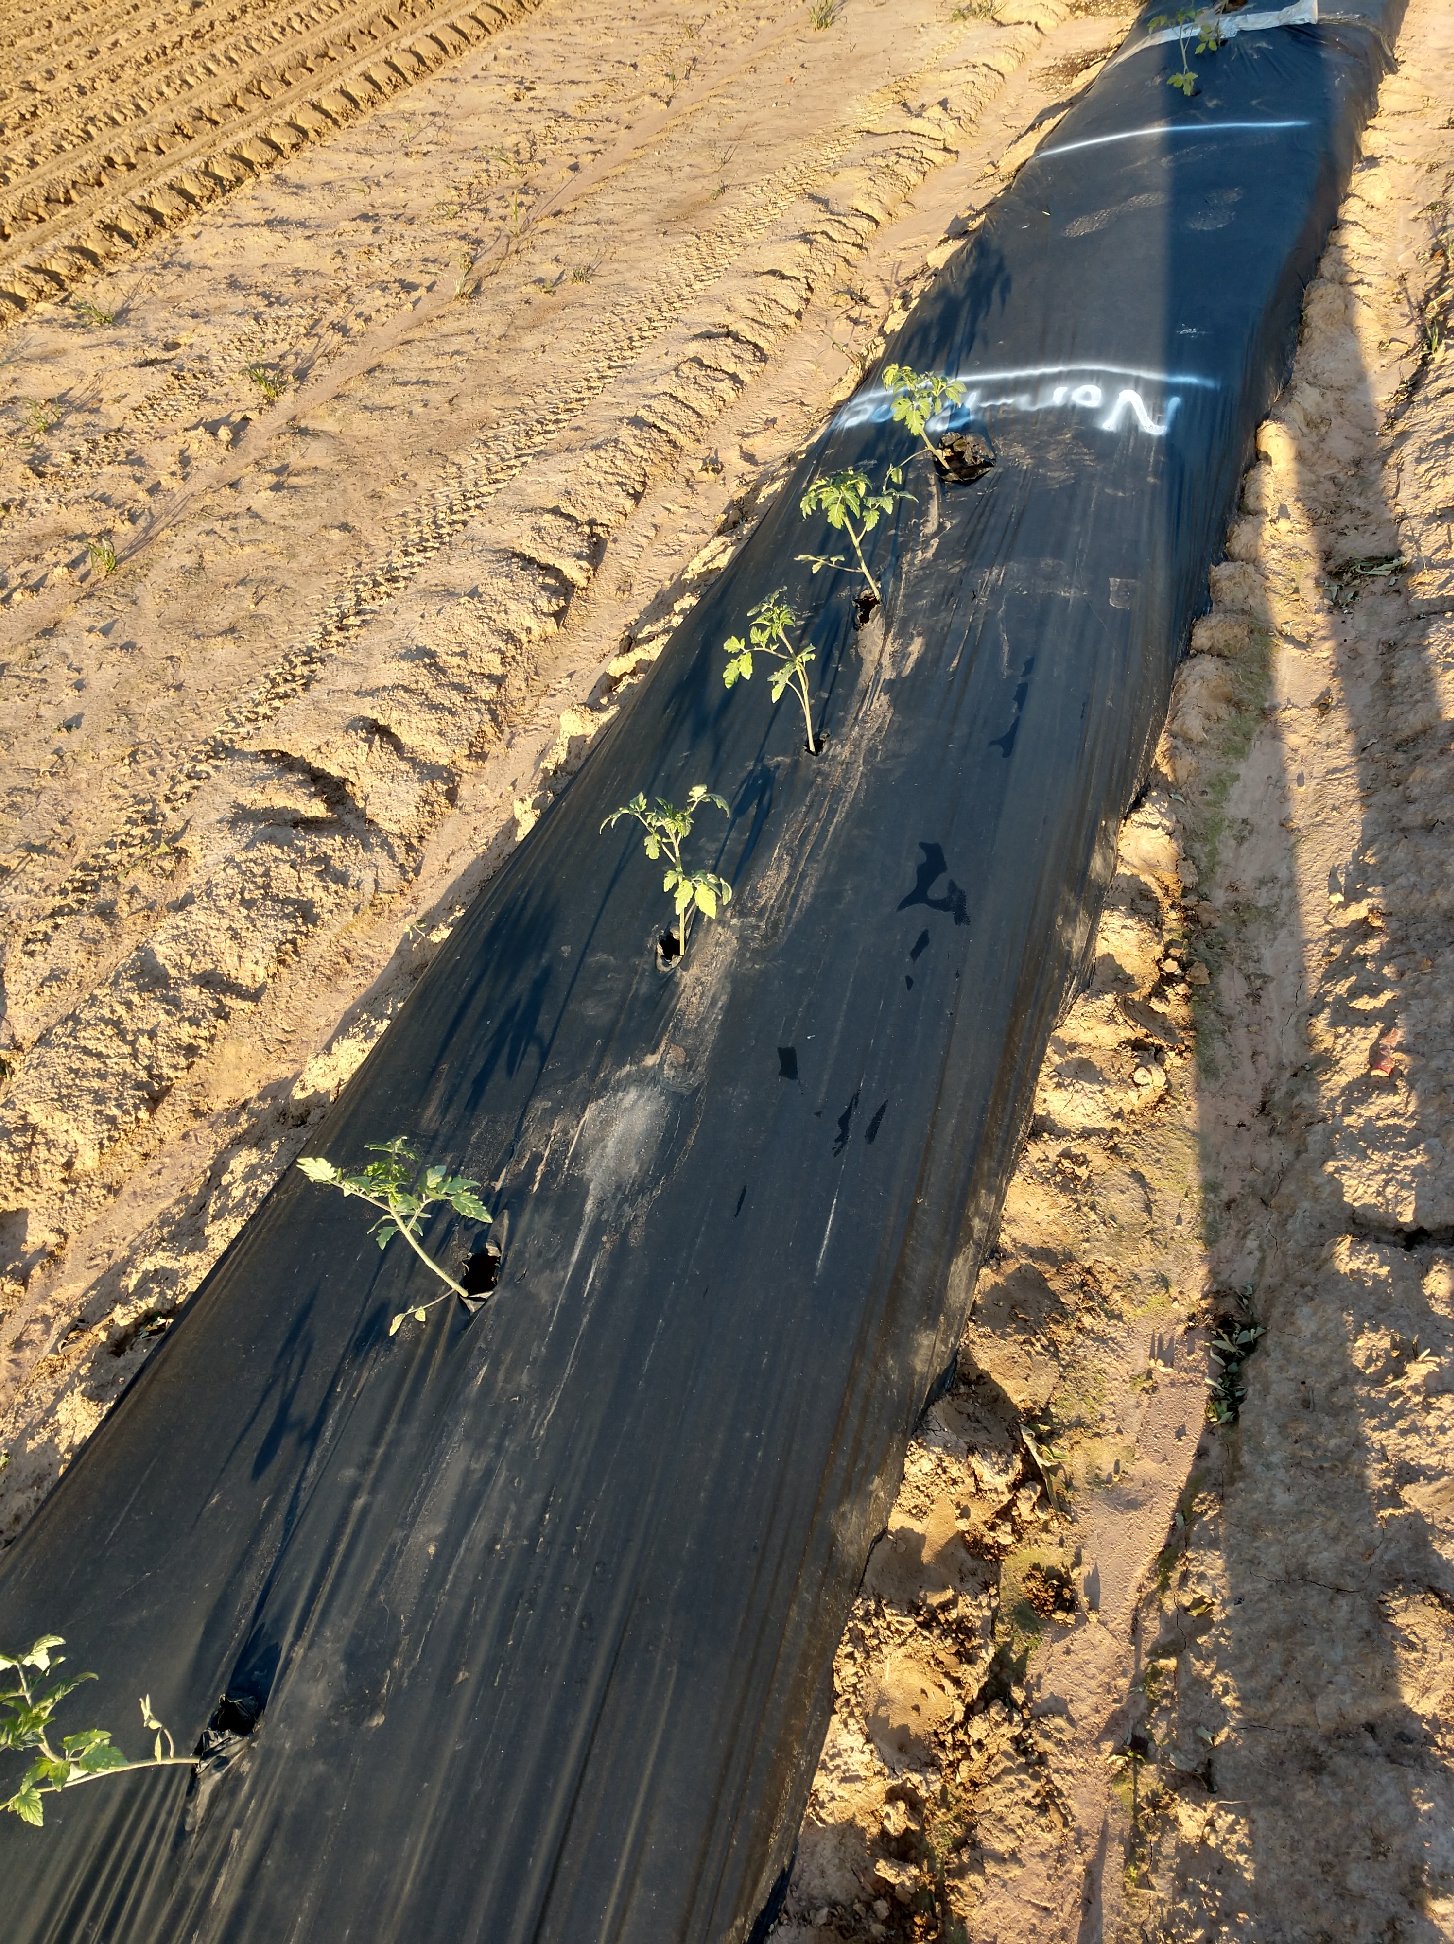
{"x": 534, "y": 1612}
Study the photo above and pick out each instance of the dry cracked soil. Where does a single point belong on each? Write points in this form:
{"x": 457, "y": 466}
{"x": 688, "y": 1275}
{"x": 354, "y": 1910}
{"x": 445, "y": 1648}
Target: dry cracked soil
{"x": 384, "y": 383}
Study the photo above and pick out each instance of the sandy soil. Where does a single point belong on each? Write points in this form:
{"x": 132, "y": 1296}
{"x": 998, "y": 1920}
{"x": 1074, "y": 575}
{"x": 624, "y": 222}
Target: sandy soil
{"x": 384, "y": 383}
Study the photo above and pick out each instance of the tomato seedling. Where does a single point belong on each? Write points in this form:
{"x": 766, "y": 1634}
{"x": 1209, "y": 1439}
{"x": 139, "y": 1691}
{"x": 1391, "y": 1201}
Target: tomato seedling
{"x": 768, "y": 633}
{"x": 28, "y": 1698}
{"x": 848, "y": 502}
{"x": 666, "y": 827}
{"x": 919, "y": 396}
{"x": 1183, "y": 24}
{"x": 402, "y": 1193}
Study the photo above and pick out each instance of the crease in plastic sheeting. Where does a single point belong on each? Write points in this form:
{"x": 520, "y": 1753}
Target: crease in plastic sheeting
{"x": 1160, "y": 130}
{"x": 554, "y": 1591}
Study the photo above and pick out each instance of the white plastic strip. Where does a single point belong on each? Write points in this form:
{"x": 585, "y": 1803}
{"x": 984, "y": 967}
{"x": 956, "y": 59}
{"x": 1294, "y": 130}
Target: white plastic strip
{"x": 1304, "y": 13}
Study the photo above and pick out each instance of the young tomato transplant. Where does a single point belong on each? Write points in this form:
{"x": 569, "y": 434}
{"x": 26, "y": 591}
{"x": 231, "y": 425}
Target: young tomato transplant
{"x": 769, "y": 632}
{"x": 666, "y": 827}
{"x": 917, "y": 399}
{"x": 919, "y": 396}
{"x": 403, "y": 1194}
{"x": 28, "y": 1699}
{"x": 851, "y": 507}
{"x": 1184, "y": 23}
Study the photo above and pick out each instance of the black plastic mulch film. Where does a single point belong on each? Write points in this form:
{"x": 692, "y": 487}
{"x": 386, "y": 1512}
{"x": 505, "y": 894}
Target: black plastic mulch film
{"x": 534, "y": 1610}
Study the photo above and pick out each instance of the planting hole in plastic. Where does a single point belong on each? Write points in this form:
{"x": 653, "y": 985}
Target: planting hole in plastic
{"x": 233, "y": 1720}
{"x": 963, "y": 457}
{"x": 668, "y": 951}
{"x": 863, "y": 608}
{"x": 236, "y": 1714}
{"x": 481, "y": 1271}
{"x": 1089, "y": 549}
{"x": 225, "y": 1740}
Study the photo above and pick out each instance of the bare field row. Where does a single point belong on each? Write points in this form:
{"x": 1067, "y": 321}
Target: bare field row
{"x": 124, "y": 141}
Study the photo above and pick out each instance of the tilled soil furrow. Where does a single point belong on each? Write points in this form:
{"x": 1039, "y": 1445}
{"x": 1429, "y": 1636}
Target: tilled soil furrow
{"x": 37, "y": 486}
{"x": 469, "y": 487}
{"x": 412, "y": 453}
{"x": 107, "y": 85}
{"x": 116, "y": 196}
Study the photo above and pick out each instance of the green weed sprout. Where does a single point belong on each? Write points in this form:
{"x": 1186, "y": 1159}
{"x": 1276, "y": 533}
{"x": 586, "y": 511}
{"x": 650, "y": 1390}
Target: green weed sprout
{"x": 850, "y": 506}
{"x": 918, "y": 396}
{"x": 270, "y": 383}
{"x": 103, "y": 553}
{"x": 92, "y": 313}
{"x": 1182, "y": 24}
{"x": 27, "y": 1702}
{"x": 768, "y": 633}
{"x": 665, "y": 828}
{"x": 395, "y": 1186}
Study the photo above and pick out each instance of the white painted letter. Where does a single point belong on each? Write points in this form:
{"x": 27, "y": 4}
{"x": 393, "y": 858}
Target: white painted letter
{"x": 1112, "y": 421}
